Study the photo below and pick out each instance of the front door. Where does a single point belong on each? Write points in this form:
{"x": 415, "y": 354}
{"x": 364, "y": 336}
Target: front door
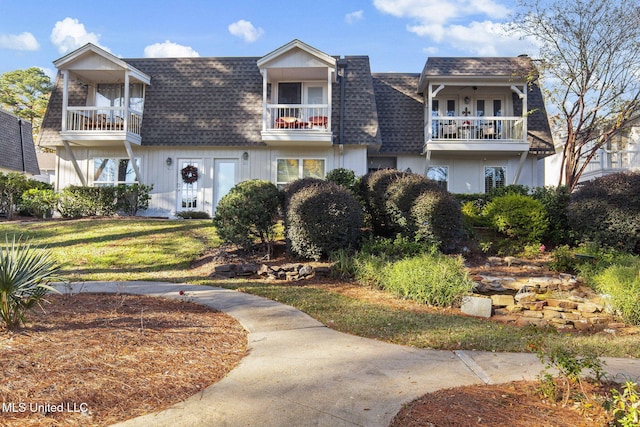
{"x": 189, "y": 177}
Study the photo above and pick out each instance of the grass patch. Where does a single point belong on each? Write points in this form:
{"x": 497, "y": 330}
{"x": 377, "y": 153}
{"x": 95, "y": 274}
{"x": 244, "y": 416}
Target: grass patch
{"x": 120, "y": 249}
{"x": 163, "y": 250}
{"x": 419, "y": 326}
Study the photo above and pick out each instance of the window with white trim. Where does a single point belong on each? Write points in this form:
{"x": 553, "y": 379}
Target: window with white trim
{"x": 439, "y": 174}
{"x": 291, "y": 169}
{"x": 113, "y": 171}
{"x": 494, "y": 177}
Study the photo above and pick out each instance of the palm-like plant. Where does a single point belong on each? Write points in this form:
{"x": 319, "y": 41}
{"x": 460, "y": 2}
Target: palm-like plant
{"x": 25, "y": 273}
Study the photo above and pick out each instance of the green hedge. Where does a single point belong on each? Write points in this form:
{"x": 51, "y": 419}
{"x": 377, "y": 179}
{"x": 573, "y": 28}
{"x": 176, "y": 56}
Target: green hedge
{"x": 372, "y": 189}
{"x": 606, "y": 211}
{"x": 78, "y": 201}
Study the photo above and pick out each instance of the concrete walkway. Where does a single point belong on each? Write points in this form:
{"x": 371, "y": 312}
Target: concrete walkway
{"x": 300, "y": 373}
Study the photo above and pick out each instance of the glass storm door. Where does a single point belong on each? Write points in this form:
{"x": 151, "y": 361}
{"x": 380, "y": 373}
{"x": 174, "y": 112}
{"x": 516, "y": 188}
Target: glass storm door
{"x": 189, "y": 198}
{"x": 225, "y": 177}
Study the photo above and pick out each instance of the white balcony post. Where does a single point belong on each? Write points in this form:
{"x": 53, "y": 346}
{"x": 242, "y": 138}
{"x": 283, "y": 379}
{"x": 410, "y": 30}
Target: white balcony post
{"x": 65, "y": 98}
{"x": 265, "y": 82}
{"x": 125, "y": 123}
{"x": 329, "y": 96}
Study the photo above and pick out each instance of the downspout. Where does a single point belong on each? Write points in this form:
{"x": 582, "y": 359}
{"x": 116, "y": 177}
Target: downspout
{"x": 24, "y": 168}
{"x": 342, "y": 65}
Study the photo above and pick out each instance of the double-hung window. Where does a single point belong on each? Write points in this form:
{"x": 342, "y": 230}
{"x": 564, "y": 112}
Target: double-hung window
{"x": 291, "y": 169}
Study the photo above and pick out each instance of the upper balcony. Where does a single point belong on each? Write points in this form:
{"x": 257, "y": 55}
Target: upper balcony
{"x": 483, "y": 106}
{"x": 297, "y": 91}
{"x": 103, "y": 98}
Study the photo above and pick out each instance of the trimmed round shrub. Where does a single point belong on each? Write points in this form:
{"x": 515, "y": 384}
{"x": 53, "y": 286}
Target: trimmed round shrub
{"x": 437, "y": 219}
{"x": 322, "y": 218}
{"x": 372, "y": 190}
{"x": 400, "y": 196}
{"x": 344, "y": 177}
{"x": 248, "y": 213}
{"x": 291, "y": 188}
{"x": 606, "y": 211}
{"x": 517, "y": 216}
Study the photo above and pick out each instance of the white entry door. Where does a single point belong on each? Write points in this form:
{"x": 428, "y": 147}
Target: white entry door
{"x": 225, "y": 178}
{"x": 189, "y": 188}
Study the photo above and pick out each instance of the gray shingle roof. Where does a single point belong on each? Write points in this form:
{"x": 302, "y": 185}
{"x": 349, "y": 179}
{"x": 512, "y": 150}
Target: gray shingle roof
{"x": 400, "y": 112}
{"x": 516, "y": 67}
{"x": 361, "y": 116}
{"x": 218, "y": 102}
{"x": 16, "y": 145}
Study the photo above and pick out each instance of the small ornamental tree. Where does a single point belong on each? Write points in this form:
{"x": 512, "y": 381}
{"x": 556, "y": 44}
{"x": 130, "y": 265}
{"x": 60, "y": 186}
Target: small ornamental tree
{"x": 248, "y": 213}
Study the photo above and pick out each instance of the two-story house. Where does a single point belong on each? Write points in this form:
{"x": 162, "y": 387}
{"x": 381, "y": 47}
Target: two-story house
{"x": 292, "y": 113}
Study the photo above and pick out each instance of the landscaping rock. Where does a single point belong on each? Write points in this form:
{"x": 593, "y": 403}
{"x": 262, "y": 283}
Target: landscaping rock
{"x": 476, "y": 306}
{"x": 502, "y": 300}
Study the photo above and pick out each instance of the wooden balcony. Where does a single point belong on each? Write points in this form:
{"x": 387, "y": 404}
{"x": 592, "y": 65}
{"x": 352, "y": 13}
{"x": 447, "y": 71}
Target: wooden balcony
{"x": 484, "y": 133}
{"x": 288, "y": 124}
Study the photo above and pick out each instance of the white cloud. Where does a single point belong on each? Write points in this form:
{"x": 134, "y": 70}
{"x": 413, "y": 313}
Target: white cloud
{"x": 23, "y": 41}
{"x": 352, "y": 17}
{"x": 487, "y": 39}
{"x": 169, "y": 50}
{"x": 474, "y": 26}
{"x": 245, "y": 30}
{"x": 69, "y": 34}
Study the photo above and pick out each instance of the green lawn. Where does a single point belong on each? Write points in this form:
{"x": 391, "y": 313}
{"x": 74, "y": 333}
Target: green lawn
{"x": 120, "y": 249}
{"x": 147, "y": 249}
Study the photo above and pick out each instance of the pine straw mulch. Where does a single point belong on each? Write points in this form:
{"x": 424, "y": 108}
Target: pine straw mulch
{"x": 105, "y": 358}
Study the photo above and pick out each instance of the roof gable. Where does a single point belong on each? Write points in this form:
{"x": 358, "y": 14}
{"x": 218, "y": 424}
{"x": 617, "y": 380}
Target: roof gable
{"x": 92, "y": 59}
{"x": 296, "y": 54}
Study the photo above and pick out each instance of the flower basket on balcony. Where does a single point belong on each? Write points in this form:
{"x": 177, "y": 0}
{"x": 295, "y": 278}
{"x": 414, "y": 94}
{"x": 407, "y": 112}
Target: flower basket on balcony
{"x": 189, "y": 174}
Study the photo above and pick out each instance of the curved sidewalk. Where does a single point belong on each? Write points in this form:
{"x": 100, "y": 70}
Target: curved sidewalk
{"x": 299, "y": 372}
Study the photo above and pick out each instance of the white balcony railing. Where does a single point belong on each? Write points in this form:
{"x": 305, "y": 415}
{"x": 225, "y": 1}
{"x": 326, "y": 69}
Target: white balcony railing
{"x": 298, "y": 117}
{"x": 477, "y": 128}
{"x": 93, "y": 119}
{"x": 613, "y": 161}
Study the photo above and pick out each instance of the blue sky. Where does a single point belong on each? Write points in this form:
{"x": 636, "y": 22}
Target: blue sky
{"x": 397, "y": 35}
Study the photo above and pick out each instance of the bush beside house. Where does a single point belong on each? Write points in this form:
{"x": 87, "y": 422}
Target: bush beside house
{"x": 248, "y": 213}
